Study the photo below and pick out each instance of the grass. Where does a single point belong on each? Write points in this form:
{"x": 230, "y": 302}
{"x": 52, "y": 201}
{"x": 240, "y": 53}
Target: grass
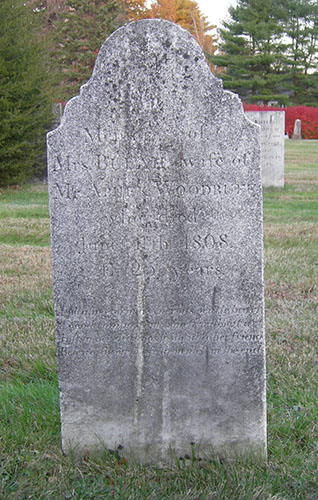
{"x": 32, "y": 465}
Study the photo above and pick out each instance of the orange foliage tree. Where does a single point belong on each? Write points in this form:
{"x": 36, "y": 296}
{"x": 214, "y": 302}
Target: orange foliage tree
{"x": 135, "y": 9}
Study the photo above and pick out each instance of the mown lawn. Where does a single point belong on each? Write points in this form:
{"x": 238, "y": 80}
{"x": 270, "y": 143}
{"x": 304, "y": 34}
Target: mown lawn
{"x": 32, "y": 464}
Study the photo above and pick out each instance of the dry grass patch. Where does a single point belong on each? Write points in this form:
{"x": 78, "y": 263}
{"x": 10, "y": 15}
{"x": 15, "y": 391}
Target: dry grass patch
{"x": 291, "y": 271}
{"x": 298, "y": 180}
{"x": 24, "y": 268}
{"x": 22, "y": 231}
{"x": 27, "y": 347}
{"x": 305, "y": 179}
{"x": 26, "y": 311}
{"x": 297, "y": 232}
{"x": 296, "y": 267}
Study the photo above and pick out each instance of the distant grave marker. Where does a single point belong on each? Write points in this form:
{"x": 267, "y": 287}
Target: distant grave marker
{"x": 157, "y": 247}
{"x": 272, "y": 145}
{"x": 297, "y": 130}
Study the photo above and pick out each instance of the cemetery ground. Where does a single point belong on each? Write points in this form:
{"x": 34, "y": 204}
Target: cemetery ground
{"x": 31, "y": 462}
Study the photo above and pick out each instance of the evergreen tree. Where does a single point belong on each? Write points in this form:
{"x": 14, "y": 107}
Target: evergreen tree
{"x": 253, "y": 51}
{"x": 49, "y": 10}
{"x": 301, "y": 32}
{"x": 269, "y": 51}
{"x": 25, "y": 108}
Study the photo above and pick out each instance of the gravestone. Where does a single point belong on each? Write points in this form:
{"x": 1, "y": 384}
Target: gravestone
{"x": 297, "y": 130}
{"x": 156, "y": 228}
{"x": 272, "y": 125}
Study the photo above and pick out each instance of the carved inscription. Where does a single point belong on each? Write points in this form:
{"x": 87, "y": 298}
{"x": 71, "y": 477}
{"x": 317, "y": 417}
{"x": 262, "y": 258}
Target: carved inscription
{"x": 158, "y": 185}
{"x": 67, "y": 350}
{"x": 155, "y": 169}
{"x": 203, "y": 241}
{"x": 67, "y": 191}
{"x": 220, "y": 331}
{"x": 114, "y": 341}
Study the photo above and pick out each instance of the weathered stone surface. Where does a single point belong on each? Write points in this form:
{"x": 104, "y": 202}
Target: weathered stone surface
{"x": 272, "y": 145}
{"x": 156, "y": 222}
{"x": 297, "y": 130}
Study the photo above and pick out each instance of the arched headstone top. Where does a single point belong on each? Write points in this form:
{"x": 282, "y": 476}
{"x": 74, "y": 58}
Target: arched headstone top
{"x": 152, "y": 54}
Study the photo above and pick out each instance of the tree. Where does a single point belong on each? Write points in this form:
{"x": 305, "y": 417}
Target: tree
{"x": 251, "y": 51}
{"x": 77, "y": 28}
{"x": 269, "y": 50}
{"x": 301, "y": 32}
{"x": 50, "y": 11}
{"x": 25, "y": 107}
{"x": 135, "y": 9}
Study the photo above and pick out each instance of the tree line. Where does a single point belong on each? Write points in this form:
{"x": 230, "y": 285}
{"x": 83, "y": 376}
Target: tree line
{"x": 47, "y": 51}
{"x": 77, "y": 28}
{"x": 267, "y": 51}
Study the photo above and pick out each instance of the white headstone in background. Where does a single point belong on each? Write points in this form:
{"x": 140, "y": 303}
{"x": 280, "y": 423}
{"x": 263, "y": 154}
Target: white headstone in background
{"x": 157, "y": 246}
{"x": 272, "y": 145}
{"x": 297, "y": 130}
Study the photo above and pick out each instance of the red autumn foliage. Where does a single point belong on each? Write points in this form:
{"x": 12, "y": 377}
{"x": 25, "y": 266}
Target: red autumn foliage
{"x": 307, "y": 115}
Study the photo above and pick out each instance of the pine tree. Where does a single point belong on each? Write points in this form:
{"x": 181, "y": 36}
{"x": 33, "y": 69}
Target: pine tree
{"x": 25, "y": 107}
{"x": 269, "y": 51}
{"x": 301, "y": 32}
{"x": 253, "y": 51}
